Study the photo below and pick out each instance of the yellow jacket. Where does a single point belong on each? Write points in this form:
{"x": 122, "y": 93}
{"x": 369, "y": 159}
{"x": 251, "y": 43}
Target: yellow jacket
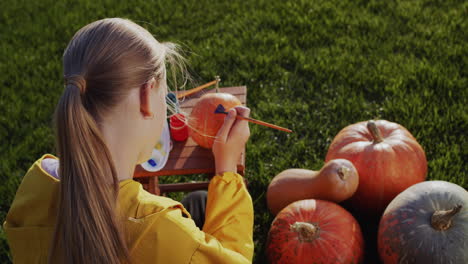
{"x": 156, "y": 230}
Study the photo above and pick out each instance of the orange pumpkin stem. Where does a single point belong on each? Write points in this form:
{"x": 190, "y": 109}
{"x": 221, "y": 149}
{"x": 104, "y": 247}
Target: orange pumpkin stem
{"x": 375, "y": 132}
{"x": 307, "y": 232}
{"x": 442, "y": 220}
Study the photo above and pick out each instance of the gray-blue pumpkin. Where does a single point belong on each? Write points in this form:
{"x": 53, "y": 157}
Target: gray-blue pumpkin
{"x": 426, "y": 223}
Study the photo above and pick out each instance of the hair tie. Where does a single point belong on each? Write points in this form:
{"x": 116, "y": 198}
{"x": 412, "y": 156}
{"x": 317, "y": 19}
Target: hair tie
{"x": 76, "y": 80}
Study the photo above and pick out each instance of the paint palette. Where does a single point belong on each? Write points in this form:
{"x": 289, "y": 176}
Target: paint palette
{"x": 160, "y": 152}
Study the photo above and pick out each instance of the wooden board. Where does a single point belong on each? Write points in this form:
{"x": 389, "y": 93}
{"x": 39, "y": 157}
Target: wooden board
{"x": 187, "y": 157}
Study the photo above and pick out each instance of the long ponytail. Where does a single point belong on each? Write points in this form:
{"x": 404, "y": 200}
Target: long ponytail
{"x": 102, "y": 63}
{"x": 87, "y": 229}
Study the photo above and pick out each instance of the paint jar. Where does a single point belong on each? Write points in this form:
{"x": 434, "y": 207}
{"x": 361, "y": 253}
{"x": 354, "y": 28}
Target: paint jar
{"x": 178, "y": 126}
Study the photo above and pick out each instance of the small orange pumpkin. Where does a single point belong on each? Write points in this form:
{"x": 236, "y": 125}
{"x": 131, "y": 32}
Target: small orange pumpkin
{"x": 203, "y": 122}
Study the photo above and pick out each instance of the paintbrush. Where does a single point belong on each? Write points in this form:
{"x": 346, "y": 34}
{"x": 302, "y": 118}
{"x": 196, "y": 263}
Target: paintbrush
{"x": 181, "y": 94}
{"x": 221, "y": 110}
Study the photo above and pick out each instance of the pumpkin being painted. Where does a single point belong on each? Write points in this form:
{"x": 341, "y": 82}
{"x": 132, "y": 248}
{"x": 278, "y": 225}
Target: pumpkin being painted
{"x": 203, "y": 122}
{"x": 315, "y": 231}
{"x": 387, "y": 157}
{"x": 427, "y": 223}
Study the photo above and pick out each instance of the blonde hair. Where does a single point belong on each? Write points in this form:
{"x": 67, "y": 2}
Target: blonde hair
{"x": 103, "y": 61}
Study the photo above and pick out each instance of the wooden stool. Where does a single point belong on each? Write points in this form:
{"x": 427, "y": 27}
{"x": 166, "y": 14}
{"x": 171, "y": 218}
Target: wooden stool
{"x": 187, "y": 157}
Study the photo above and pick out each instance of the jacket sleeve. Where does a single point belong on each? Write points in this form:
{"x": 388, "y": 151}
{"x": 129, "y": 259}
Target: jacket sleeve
{"x": 228, "y": 224}
{"x": 166, "y": 236}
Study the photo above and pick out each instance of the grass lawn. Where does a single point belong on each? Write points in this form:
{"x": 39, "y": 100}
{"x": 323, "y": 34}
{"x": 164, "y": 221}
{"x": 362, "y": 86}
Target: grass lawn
{"x": 312, "y": 66}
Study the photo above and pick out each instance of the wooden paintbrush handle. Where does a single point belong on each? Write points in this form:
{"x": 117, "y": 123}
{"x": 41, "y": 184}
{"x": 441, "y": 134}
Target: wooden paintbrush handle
{"x": 194, "y": 90}
{"x": 263, "y": 123}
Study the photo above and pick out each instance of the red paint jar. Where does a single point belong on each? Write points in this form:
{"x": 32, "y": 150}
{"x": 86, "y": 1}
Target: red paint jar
{"x": 178, "y": 126}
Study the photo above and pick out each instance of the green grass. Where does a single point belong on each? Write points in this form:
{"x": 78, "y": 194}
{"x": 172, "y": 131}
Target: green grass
{"x": 312, "y": 66}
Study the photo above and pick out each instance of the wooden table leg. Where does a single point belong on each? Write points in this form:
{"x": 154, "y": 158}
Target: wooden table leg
{"x": 153, "y": 185}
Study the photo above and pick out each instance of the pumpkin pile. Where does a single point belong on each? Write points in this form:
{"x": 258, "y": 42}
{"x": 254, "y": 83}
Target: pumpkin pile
{"x": 372, "y": 167}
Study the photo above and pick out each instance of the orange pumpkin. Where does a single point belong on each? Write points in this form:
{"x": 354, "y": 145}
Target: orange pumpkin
{"x": 203, "y": 122}
{"x": 387, "y": 157}
{"x": 336, "y": 181}
{"x": 314, "y": 231}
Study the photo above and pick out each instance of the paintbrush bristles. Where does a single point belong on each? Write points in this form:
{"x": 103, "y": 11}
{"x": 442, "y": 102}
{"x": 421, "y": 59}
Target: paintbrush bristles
{"x": 220, "y": 109}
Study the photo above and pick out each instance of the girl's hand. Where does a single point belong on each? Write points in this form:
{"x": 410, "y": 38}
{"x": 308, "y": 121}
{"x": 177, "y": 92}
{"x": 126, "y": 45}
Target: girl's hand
{"x": 230, "y": 140}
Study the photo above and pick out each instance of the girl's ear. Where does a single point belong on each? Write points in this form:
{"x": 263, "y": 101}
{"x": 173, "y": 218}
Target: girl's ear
{"x": 145, "y": 99}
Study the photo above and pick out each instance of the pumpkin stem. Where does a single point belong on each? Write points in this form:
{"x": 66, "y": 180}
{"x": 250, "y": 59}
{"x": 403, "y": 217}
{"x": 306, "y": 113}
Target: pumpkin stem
{"x": 442, "y": 220}
{"x": 343, "y": 173}
{"x": 307, "y": 232}
{"x": 217, "y": 83}
{"x": 375, "y": 132}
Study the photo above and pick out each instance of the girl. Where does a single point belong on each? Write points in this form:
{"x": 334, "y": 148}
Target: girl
{"x": 108, "y": 119}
